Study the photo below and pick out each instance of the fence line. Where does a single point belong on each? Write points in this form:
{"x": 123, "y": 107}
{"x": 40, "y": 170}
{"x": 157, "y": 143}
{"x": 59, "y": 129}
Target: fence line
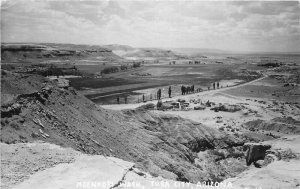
{"x": 153, "y": 96}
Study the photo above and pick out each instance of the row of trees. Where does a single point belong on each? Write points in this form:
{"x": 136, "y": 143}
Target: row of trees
{"x": 56, "y": 71}
{"x": 113, "y": 69}
{"x": 195, "y": 62}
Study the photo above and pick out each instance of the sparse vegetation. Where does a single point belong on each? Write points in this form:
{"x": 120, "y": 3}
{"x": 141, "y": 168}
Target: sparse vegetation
{"x": 270, "y": 64}
{"x": 124, "y": 67}
{"x": 136, "y": 64}
{"x": 110, "y": 69}
{"x": 159, "y": 104}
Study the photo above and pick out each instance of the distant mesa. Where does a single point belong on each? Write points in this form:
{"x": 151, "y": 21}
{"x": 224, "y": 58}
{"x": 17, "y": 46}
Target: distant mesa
{"x": 129, "y": 52}
{"x": 16, "y": 52}
{"x": 116, "y": 47}
{"x": 154, "y": 53}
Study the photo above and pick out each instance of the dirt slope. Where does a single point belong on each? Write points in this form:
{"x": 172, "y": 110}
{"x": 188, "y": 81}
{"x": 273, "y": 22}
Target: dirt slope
{"x": 165, "y": 145}
{"x": 19, "y": 161}
{"x": 51, "y": 166}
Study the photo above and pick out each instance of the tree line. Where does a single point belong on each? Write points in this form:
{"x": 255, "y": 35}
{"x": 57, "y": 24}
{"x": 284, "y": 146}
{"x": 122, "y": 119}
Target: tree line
{"x": 113, "y": 69}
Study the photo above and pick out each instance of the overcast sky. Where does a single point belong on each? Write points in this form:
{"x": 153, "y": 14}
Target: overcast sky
{"x": 235, "y": 25}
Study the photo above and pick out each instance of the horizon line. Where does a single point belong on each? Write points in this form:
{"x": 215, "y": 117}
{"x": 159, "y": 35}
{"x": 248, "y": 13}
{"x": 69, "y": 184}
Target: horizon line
{"x": 164, "y": 48}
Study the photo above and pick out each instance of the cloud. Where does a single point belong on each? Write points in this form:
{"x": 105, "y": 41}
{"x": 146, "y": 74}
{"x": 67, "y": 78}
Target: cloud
{"x": 271, "y": 7}
{"x": 237, "y": 25}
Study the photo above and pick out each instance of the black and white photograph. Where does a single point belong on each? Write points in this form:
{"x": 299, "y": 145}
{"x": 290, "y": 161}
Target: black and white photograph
{"x": 150, "y": 94}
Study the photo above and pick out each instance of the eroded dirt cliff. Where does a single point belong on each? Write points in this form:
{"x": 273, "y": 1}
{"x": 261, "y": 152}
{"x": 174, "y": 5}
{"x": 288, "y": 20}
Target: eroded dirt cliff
{"x": 161, "y": 144}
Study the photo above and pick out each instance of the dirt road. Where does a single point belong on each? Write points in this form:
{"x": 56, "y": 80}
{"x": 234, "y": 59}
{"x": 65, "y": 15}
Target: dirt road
{"x": 193, "y": 95}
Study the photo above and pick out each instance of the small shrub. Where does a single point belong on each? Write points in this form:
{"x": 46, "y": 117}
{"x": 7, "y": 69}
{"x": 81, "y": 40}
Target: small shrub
{"x": 236, "y": 154}
{"x": 3, "y": 72}
{"x": 159, "y": 104}
{"x": 136, "y": 64}
{"x": 34, "y": 135}
{"x": 124, "y": 67}
{"x": 4, "y": 121}
{"x": 217, "y": 153}
{"x": 15, "y": 117}
{"x": 149, "y": 106}
{"x": 288, "y": 154}
{"x": 15, "y": 124}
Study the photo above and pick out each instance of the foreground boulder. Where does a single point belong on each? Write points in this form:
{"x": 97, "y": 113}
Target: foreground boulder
{"x": 277, "y": 174}
{"x": 255, "y": 152}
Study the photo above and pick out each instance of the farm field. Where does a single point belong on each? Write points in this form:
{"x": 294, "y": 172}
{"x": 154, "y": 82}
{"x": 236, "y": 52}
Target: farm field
{"x": 147, "y": 79}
